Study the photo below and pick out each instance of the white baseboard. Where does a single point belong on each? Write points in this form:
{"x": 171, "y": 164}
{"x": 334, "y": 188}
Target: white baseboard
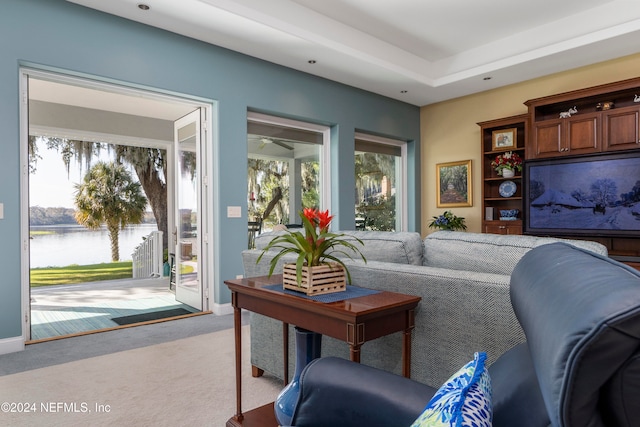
{"x": 11, "y": 345}
{"x": 222, "y": 309}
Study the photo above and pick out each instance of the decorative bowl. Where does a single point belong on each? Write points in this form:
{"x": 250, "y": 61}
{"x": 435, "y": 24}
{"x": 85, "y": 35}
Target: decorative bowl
{"x": 508, "y": 213}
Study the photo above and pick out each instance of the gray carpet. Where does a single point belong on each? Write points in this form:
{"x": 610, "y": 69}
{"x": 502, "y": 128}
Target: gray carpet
{"x": 76, "y": 348}
{"x": 184, "y": 382}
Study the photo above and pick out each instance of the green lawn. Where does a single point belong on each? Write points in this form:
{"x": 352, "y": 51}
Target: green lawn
{"x": 40, "y": 232}
{"x": 73, "y": 274}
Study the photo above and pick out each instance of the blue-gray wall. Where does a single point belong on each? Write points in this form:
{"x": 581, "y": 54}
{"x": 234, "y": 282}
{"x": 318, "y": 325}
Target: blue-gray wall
{"x": 59, "y": 35}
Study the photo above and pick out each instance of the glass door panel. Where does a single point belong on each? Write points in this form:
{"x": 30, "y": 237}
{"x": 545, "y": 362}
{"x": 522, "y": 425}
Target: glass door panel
{"x": 187, "y": 206}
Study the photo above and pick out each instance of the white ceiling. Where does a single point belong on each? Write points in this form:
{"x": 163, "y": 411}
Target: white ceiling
{"x": 432, "y": 49}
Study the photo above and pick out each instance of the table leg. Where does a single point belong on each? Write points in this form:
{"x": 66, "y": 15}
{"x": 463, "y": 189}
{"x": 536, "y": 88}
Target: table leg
{"x": 355, "y": 338}
{"x": 406, "y": 344}
{"x": 354, "y": 351}
{"x": 237, "y": 326}
{"x": 406, "y": 353}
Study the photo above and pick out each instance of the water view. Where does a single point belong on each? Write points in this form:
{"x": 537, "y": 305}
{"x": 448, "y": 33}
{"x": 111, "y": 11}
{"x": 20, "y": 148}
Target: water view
{"x": 61, "y": 245}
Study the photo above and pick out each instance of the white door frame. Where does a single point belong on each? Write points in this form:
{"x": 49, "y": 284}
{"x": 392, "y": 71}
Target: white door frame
{"x": 206, "y": 215}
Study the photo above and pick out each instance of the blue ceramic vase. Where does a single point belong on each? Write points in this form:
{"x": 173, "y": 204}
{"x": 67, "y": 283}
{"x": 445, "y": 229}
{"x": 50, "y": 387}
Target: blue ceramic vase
{"x": 308, "y": 347}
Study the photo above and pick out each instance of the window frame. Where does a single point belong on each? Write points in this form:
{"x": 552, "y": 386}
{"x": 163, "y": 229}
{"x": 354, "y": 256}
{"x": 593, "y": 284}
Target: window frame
{"x": 325, "y": 153}
{"x": 402, "y": 220}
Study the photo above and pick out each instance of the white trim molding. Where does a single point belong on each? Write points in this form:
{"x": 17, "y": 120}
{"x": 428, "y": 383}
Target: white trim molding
{"x": 11, "y": 345}
{"x": 222, "y": 309}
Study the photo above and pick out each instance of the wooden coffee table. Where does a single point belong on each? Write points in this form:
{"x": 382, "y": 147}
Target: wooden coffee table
{"x": 355, "y": 321}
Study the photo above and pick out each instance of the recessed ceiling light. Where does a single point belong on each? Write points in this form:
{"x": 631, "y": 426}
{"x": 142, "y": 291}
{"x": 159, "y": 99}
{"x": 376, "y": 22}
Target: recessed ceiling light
{"x": 312, "y": 61}
{"x": 487, "y": 78}
{"x": 143, "y": 6}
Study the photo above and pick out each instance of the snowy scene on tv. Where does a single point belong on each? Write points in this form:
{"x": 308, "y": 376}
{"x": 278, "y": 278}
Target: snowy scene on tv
{"x": 585, "y": 195}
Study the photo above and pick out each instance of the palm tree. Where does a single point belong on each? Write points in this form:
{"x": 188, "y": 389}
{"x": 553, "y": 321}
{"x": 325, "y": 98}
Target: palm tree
{"x": 149, "y": 164}
{"x": 108, "y": 195}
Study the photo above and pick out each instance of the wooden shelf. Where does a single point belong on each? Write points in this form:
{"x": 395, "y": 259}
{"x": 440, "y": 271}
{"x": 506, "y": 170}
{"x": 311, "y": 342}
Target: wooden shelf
{"x": 595, "y": 128}
{"x": 501, "y": 178}
{"x": 495, "y": 153}
{"x": 542, "y": 133}
{"x": 491, "y": 181}
{"x": 264, "y": 416}
{"x": 499, "y": 199}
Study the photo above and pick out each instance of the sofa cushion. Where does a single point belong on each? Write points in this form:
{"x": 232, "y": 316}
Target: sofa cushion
{"x": 581, "y": 315}
{"x": 402, "y": 247}
{"x": 386, "y": 246}
{"x": 488, "y": 253}
{"x": 463, "y": 400}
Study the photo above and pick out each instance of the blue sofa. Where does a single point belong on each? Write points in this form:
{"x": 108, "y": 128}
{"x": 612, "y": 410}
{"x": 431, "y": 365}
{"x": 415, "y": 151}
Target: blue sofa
{"x": 579, "y": 366}
{"x": 463, "y": 279}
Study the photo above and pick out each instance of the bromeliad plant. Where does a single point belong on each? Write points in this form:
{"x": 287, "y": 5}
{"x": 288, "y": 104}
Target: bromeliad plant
{"x": 316, "y": 246}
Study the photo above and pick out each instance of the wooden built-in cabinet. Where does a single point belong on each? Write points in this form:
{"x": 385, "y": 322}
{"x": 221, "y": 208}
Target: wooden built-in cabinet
{"x": 574, "y": 135}
{"x": 621, "y": 128}
{"x": 607, "y": 120}
{"x": 492, "y": 201}
{"x": 503, "y": 227}
{"x": 603, "y": 119}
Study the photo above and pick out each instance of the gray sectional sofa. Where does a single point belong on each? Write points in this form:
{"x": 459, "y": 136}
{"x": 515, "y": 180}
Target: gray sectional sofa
{"x": 463, "y": 279}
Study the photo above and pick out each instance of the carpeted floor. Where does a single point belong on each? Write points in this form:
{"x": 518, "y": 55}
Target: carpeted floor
{"x": 66, "y": 350}
{"x": 144, "y": 376}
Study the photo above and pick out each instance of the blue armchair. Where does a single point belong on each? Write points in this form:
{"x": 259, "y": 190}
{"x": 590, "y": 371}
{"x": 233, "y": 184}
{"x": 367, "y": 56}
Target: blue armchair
{"x": 579, "y": 367}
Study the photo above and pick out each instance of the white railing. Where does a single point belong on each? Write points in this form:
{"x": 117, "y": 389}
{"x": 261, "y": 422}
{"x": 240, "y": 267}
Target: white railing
{"x": 147, "y": 257}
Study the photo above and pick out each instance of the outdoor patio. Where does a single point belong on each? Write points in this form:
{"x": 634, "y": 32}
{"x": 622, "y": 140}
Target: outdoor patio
{"x": 75, "y": 309}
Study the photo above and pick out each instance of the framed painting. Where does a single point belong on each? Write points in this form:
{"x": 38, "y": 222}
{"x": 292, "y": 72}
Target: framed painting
{"x": 504, "y": 139}
{"x": 453, "y": 182}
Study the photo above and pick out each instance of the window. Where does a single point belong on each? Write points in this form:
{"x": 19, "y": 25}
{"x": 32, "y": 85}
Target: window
{"x": 380, "y": 169}
{"x": 286, "y": 168}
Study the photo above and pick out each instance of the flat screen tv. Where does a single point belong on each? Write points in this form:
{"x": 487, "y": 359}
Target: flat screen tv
{"x": 595, "y": 195}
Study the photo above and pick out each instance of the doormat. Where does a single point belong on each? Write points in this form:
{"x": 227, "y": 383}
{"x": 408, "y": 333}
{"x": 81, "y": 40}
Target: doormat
{"x": 154, "y": 315}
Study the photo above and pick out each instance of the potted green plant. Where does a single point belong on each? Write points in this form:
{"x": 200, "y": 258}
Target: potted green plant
{"x": 448, "y": 221}
{"x": 316, "y": 247}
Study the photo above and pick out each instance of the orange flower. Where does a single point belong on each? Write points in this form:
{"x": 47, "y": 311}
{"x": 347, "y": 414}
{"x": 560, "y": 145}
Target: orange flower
{"x": 324, "y": 219}
{"x": 310, "y": 214}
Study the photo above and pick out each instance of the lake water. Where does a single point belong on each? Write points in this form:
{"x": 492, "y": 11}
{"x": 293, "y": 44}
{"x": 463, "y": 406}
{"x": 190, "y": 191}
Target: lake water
{"x": 74, "y": 244}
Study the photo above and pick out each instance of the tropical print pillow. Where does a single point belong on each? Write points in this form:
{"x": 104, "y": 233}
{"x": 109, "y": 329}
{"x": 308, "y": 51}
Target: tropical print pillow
{"x": 464, "y": 400}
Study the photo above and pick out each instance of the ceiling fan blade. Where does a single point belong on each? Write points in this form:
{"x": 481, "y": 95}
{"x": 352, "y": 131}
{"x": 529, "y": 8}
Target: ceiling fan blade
{"x": 283, "y": 145}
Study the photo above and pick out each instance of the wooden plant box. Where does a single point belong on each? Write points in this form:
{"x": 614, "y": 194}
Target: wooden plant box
{"x": 318, "y": 280}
